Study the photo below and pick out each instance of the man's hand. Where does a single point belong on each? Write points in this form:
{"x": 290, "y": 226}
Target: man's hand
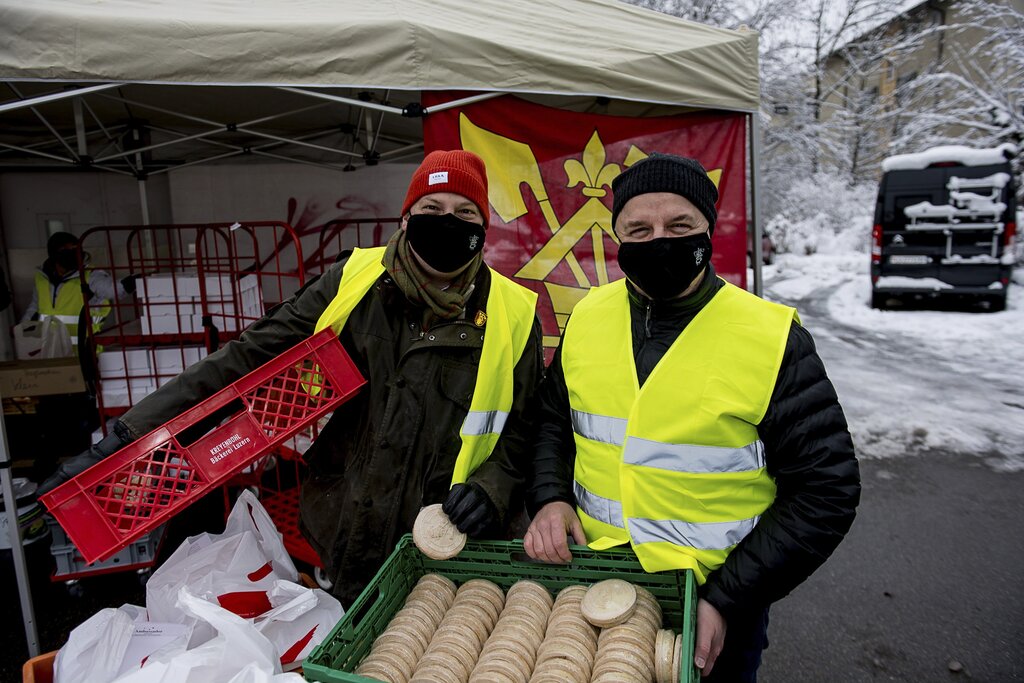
{"x": 128, "y": 283}
{"x": 710, "y": 636}
{"x": 471, "y": 510}
{"x": 72, "y": 467}
{"x": 546, "y": 538}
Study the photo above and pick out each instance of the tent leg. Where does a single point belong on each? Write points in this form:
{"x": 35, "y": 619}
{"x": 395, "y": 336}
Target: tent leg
{"x": 83, "y": 147}
{"x": 755, "y": 200}
{"x": 17, "y": 549}
{"x": 144, "y": 201}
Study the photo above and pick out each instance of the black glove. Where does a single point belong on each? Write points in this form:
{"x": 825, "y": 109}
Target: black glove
{"x": 471, "y": 510}
{"x": 72, "y": 467}
{"x": 129, "y": 283}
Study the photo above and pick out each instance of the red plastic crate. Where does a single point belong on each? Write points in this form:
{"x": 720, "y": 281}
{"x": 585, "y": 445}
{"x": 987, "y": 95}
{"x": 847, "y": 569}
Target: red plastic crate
{"x": 283, "y": 508}
{"x": 149, "y": 481}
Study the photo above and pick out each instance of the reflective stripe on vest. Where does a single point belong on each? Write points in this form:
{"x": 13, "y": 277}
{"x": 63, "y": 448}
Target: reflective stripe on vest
{"x": 707, "y": 536}
{"x": 68, "y": 304}
{"x": 675, "y": 469}
{"x": 510, "y": 313}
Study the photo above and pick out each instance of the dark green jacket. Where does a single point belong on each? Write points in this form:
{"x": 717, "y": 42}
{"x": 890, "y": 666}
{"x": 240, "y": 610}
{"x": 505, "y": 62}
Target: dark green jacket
{"x": 391, "y": 449}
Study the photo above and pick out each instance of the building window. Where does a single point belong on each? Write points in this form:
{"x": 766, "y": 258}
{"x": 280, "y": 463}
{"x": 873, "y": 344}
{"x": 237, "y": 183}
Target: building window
{"x": 905, "y": 78}
{"x": 901, "y": 94}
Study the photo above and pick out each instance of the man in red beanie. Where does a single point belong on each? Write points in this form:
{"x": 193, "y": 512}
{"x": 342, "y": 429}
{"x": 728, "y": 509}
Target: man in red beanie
{"x": 451, "y": 351}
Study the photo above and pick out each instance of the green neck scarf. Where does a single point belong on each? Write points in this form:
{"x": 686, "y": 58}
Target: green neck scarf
{"x": 440, "y": 301}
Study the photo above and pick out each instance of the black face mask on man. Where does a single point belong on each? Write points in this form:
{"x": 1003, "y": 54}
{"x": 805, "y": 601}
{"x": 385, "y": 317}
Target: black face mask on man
{"x": 445, "y": 242}
{"x": 663, "y": 268}
{"x": 67, "y": 259}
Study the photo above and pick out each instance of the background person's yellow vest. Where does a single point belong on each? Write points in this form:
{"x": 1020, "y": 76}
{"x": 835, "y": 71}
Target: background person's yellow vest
{"x": 510, "y": 312}
{"x": 67, "y": 305}
{"x": 675, "y": 468}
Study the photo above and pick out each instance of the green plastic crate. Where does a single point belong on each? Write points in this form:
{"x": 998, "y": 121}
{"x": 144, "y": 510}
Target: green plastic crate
{"x": 504, "y": 563}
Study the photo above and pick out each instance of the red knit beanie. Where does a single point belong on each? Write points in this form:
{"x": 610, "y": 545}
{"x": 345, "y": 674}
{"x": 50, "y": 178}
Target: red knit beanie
{"x": 455, "y": 171}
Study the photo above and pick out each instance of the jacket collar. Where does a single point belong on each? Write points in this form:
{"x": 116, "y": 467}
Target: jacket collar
{"x": 683, "y": 306}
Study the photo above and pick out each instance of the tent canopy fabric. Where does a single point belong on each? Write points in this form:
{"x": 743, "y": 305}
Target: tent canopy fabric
{"x": 571, "y": 47}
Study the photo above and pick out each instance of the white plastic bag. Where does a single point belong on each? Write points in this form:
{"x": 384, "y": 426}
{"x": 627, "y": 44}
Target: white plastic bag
{"x": 237, "y": 647}
{"x": 254, "y": 674}
{"x": 236, "y": 569}
{"x": 301, "y": 619}
{"x": 96, "y": 647}
{"x": 56, "y": 340}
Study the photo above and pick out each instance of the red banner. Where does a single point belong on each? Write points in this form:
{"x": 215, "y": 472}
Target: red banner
{"x": 550, "y": 173}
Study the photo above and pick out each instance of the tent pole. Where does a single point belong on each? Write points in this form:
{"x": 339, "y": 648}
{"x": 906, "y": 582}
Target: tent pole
{"x": 144, "y": 201}
{"x": 755, "y": 199}
{"x": 53, "y": 97}
{"x": 83, "y": 146}
{"x": 28, "y": 614}
{"x": 342, "y": 100}
{"x": 465, "y": 100}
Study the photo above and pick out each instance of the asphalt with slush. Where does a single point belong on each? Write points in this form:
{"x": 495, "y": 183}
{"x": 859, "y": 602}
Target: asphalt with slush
{"x": 928, "y": 585}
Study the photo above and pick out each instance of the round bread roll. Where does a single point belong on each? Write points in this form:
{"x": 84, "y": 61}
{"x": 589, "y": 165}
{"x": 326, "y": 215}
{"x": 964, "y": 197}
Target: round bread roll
{"x": 664, "y": 646}
{"x": 439, "y": 580}
{"x": 677, "y": 657}
{"x": 435, "y": 535}
{"x": 381, "y": 671}
{"x": 531, "y": 588}
{"x": 609, "y": 602}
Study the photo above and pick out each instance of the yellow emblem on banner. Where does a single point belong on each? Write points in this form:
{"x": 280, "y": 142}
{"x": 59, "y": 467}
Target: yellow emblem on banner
{"x": 510, "y": 164}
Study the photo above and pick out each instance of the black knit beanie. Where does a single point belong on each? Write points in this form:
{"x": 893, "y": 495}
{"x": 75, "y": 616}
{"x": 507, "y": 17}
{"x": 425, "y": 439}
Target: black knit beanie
{"x": 667, "y": 173}
{"x": 58, "y": 240}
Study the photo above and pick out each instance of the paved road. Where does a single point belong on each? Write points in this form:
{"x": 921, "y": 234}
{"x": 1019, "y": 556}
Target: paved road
{"x": 930, "y": 576}
{"x": 928, "y": 586}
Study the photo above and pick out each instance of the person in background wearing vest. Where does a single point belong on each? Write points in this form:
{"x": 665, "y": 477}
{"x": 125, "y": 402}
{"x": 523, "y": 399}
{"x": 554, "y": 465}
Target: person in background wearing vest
{"x": 451, "y": 351}
{"x": 58, "y": 293}
{"x": 693, "y": 421}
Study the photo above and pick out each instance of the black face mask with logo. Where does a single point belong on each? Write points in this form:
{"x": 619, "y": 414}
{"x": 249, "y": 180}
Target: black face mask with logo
{"x": 663, "y": 268}
{"x": 445, "y": 242}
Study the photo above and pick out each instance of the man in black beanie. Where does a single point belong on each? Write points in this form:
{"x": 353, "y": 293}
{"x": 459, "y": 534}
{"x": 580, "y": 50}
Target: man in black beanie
{"x": 693, "y": 421}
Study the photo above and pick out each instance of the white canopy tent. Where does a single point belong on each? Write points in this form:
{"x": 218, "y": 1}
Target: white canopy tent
{"x": 580, "y": 47}
{"x": 142, "y": 87}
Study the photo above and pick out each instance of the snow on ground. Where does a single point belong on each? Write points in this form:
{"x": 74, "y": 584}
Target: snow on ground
{"x": 912, "y": 381}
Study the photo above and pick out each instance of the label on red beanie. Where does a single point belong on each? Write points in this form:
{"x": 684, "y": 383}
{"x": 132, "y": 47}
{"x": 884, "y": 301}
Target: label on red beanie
{"x": 438, "y": 178}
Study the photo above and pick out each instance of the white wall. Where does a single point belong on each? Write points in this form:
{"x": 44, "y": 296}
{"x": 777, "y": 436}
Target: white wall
{"x": 265, "y": 191}
{"x": 305, "y": 196}
{"x": 302, "y": 195}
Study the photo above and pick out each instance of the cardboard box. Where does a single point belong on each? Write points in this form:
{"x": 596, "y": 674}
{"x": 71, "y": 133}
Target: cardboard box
{"x": 159, "y": 307}
{"x": 118, "y": 397}
{"x": 176, "y": 286}
{"x": 139, "y": 386}
{"x": 176, "y": 360}
{"x": 112, "y": 362}
{"x": 169, "y": 324}
{"x": 41, "y": 377}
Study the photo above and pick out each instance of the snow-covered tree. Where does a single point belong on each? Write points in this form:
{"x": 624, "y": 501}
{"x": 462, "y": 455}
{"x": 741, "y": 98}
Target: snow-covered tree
{"x": 818, "y": 109}
{"x": 784, "y": 155}
{"x": 757, "y": 15}
{"x": 976, "y": 96}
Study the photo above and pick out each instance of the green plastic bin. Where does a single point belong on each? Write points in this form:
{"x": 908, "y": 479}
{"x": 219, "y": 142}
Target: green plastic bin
{"x": 504, "y": 563}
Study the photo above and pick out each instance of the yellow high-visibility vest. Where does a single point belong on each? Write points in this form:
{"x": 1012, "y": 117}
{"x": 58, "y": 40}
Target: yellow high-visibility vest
{"x": 67, "y": 305}
{"x": 675, "y": 468}
{"x": 510, "y": 312}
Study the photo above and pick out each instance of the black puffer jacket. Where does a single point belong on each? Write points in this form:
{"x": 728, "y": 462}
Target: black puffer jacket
{"x": 807, "y": 447}
{"x": 391, "y": 449}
